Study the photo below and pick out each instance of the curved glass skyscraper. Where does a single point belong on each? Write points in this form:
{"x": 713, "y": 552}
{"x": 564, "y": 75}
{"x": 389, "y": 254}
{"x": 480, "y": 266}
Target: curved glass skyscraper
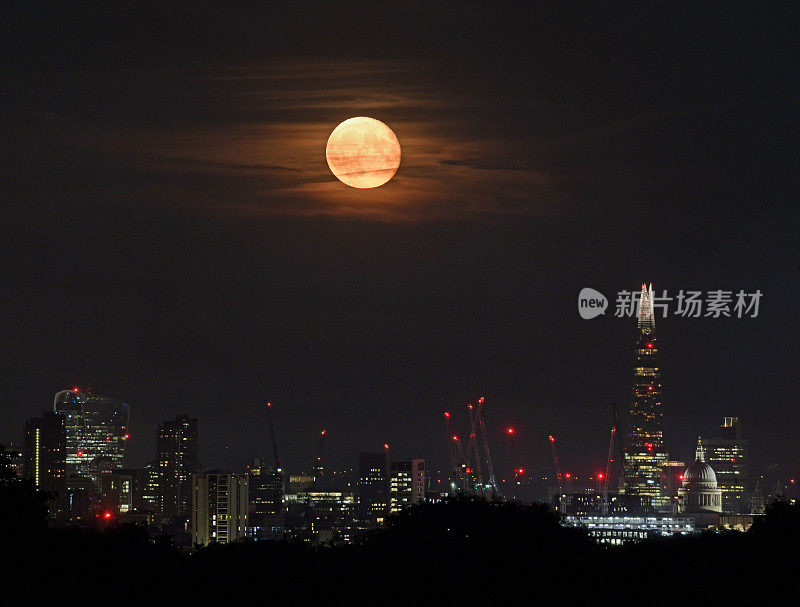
{"x": 96, "y": 431}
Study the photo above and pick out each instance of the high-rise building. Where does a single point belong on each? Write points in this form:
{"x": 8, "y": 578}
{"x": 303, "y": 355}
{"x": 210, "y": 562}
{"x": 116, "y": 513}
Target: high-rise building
{"x": 44, "y": 455}
{"x": 95, "y": 429}
{"x": 219, "y": 507}
{"x": 406, "y": 483}
{"x": 373, "y": 488}
{"x": 267, "y": 509}
{"x": 177, "y": 461}
{"x": 728, "y": 455}
{"x": 645, "y": 449}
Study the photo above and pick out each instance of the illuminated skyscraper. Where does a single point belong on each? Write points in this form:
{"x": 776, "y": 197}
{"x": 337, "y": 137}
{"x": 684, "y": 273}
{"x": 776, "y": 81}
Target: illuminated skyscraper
{"x": 44, "y": 455}
{"x": 406, "y": 483}
{"x": 95, "y": 429}
{"x": 729, "y": 458}
{"x": 177, "y": 461}
{"x": 267, "y": 509}
{"x": 645, "y": 451}
{"x": 373, "y": 488}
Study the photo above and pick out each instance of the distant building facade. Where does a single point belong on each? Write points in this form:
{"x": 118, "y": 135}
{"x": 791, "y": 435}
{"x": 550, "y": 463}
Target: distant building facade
{"x": 219, "y": 507}
{"x": 406, "y": 483}
{"x": 373, "y": 488}
{"x": 44, "y": 456}
{"x": 728, "y": 455}
{"x": 177, "y": 461}
{"x": 95, "y": 430}
{"x": 267, "y": 509}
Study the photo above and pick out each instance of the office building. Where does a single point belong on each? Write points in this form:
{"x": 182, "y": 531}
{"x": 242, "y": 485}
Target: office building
{"x": 406, "y": 483}
{"x": 373, "y": 488}
{"x": 44, "y": 456}
{"x": 267, "y": 509}
{"x": 219, "y": 507}
{"x": 95, "y": 430}
{"x": 177, "y": 461}
{"x": 727, "y": 454}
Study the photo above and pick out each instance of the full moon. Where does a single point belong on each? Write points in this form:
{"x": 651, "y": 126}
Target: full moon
{"x": 363, "y": 152}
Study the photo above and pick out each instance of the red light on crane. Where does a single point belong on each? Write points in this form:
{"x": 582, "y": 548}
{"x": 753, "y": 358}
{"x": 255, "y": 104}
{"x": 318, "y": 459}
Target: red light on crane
{"x": 510, "y": 430}
{"x": 480, "y": 400}
{"x": 386, "y": 446}
{"x": 521, "y": 471}
{"x": 600, "y": 476}
{"x": 455, "y": 438}
{"x": 469, "y": 406}
{"x": 567, "y": 475}
{"x": 74, "y": 389}
{"x": 323, "y": 432}
{"x": 446, "y": 414}
{"x": 552, "y": 440}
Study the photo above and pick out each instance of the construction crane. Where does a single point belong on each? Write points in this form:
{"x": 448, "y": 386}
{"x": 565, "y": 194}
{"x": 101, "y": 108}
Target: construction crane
{"x": 559, "y": 477}
{"x": 472, "y": 443}
{"x": 272, "y": 436}
{"x": 488, "y": 454}
{"x": 620, "y": 445}
{"x": 317, "y": 468}
{"x": 607, "y": 477}
{"x": 518, "y": 470}
{"x": 477, "y": 424}
{"x": 451, "y": 448}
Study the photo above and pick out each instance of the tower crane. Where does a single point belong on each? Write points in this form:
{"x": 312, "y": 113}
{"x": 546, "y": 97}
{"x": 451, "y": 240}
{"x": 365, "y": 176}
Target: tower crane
{"x": 556, "y": 464}
{"x": 607, "y": 477}
{"x": 272, "y": 436}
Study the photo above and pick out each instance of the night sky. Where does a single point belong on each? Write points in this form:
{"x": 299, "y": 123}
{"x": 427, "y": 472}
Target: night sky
{"x": 173, "y": 237}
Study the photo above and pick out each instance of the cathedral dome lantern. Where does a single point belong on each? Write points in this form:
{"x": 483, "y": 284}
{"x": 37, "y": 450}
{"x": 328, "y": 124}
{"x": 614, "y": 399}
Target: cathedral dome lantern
{"x": 699, "y": 492}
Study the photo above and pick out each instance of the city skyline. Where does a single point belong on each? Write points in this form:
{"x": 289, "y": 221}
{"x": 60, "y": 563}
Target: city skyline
{"x": 179, "y": 243}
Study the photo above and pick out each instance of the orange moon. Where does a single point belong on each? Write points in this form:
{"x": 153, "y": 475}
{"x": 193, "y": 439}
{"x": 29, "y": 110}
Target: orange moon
{"x": 363, "y": 152}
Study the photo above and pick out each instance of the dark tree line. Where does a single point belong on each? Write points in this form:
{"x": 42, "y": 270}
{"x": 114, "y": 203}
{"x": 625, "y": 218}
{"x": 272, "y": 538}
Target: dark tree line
{"x": 465, "y": 550}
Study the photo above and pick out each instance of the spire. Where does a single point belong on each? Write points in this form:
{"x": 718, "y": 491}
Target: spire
{"x": 700, "y": 454}
{"x": 646, "y": 317}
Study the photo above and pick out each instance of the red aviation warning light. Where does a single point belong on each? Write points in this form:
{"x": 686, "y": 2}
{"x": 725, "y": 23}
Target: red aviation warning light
{"x": 650, "y": 345}
{"x": 599, "y": 476}
{"x": 552, "y": 440}
{"x": 107, "y": 515}
{"x": 568, "y": 475}
{"x": 455, "y": 438}
{"x": 74, "y": 389}
{"x": 80, "y": 453}
{"x": 447, "y": 414}
{"x": 386, "y": 446}
{"x": 127, "y": 436}
{"x": 480, "y": 400}
{"x": 650, "y": 388}
{"x": 510, "y": 430}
